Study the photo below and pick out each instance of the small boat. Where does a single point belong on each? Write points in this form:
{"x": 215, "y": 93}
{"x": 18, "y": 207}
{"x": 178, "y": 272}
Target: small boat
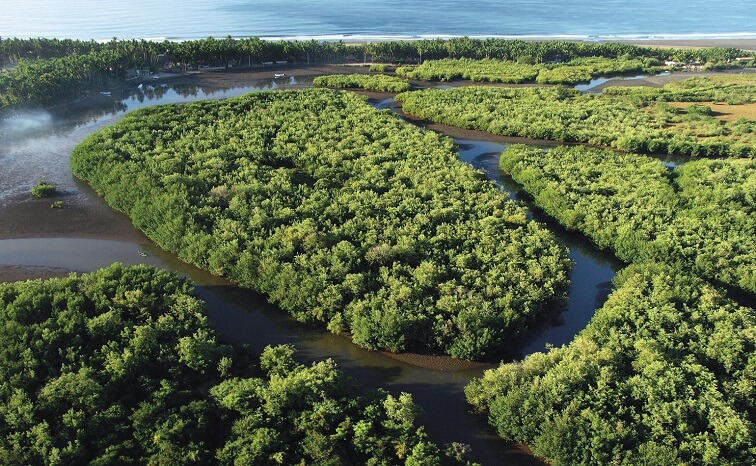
{"x": 140, "y": 86}
{"x": 142, "y": 253}
{"x": 279, "y": 75}
{"x": 105, "y": 93}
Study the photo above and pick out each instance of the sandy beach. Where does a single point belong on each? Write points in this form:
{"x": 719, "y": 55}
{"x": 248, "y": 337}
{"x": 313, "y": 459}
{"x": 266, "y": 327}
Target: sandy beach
{"x": 743, "y": 44}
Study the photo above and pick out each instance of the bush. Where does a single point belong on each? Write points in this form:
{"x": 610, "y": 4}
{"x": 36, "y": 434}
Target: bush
{"x": 624, "y": 119}
{"x": 377, "y": 82}
{"x": 699, "y": 214}
{"x": 43, "y": 189}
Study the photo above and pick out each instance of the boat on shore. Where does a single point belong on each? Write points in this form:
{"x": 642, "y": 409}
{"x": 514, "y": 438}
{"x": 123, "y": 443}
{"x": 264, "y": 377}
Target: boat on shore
{"x": 279, "y": 75}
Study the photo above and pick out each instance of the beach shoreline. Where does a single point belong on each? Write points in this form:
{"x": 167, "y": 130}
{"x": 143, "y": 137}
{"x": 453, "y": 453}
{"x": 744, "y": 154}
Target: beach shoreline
{"x": 742, "y": 44}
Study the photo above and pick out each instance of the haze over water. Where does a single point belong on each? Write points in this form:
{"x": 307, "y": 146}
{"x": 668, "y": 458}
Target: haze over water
{"x": 363, "y": 19}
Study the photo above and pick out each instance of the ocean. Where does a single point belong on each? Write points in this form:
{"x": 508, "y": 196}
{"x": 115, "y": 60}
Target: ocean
{"x": 356, "y": 20}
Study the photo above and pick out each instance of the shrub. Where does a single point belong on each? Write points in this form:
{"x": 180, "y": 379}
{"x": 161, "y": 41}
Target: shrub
{"x": 43, "y": 189}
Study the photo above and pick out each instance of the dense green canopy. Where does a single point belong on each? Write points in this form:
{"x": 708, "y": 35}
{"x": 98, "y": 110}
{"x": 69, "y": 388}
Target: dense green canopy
{"x": 339, "y": 213}
{"x": 504, "y": 71}
{"x": 629, "y": 122}
{"x": 733, "y": 89}
{"x": 375, "y": 82}
{"x": 662, "y": 375}
{"x": 700, "y": 216}
{"x": 449, "y": 69}
{"x": 120, "y": 367}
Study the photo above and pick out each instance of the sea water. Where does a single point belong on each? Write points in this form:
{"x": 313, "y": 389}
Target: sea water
{"x": 355, "y": 20}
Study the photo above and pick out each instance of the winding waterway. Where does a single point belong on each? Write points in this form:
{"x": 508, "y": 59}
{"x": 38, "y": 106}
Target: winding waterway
{"x": 38, "y": 143}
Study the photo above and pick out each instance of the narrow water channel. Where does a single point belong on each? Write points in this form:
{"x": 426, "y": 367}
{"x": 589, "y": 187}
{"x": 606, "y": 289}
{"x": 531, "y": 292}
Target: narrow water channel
{"x": 34, "y": 143}
{"x": 592, "y": 271}
{"x": 596, "y": 82}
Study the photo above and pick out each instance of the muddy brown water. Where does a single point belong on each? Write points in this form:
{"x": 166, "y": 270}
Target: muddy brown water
{"x": 36, "y": 144}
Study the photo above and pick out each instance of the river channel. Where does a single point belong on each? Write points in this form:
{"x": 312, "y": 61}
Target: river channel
{"x": 37, "y": 144}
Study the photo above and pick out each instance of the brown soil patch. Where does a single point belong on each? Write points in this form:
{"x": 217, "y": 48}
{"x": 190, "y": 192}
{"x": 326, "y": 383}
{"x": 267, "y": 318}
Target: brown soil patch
{"x": 725, "y": 112}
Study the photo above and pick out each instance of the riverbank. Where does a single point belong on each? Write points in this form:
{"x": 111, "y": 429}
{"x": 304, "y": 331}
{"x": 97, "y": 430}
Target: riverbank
{"x": 280, "y": 74}
{"x": 15, "y": 273}
{"x": 85, "y": 215}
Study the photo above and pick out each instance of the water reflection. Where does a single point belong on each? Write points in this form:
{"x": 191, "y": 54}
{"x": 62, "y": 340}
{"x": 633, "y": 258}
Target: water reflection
{"x": 36, "y": 144}
{"x": 595, "y": 82}
{"x": 19, "y": 123}
{"x": 383, "y": 104}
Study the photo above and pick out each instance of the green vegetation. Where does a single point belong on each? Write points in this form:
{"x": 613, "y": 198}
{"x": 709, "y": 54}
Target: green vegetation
{"x": 203, "y": 51}
{"x": 700, "y": 216}
{"x": 120, "y": 367}
{"x": 339, "y": 213}
{"x": 503, "y": 71}
{"x": 496, "y": 71}
{"x": 584, "y": 69}
{"x": 561, "y": 114}
{"x": 59, "y": 75}
{"x": 662, "y": 375}
{"x": 375, "y": 82}
{"x": 43, "y": 189}
{"x": 733, "y": 89}
{"x": 379, "y": 67}
{"x": 49, "y": 70}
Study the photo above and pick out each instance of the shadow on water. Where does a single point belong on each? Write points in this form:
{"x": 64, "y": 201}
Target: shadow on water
{"x": 244, "y": 317}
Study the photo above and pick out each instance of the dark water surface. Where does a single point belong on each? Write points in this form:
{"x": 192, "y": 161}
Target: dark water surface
{"x": 39, "y": 142}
